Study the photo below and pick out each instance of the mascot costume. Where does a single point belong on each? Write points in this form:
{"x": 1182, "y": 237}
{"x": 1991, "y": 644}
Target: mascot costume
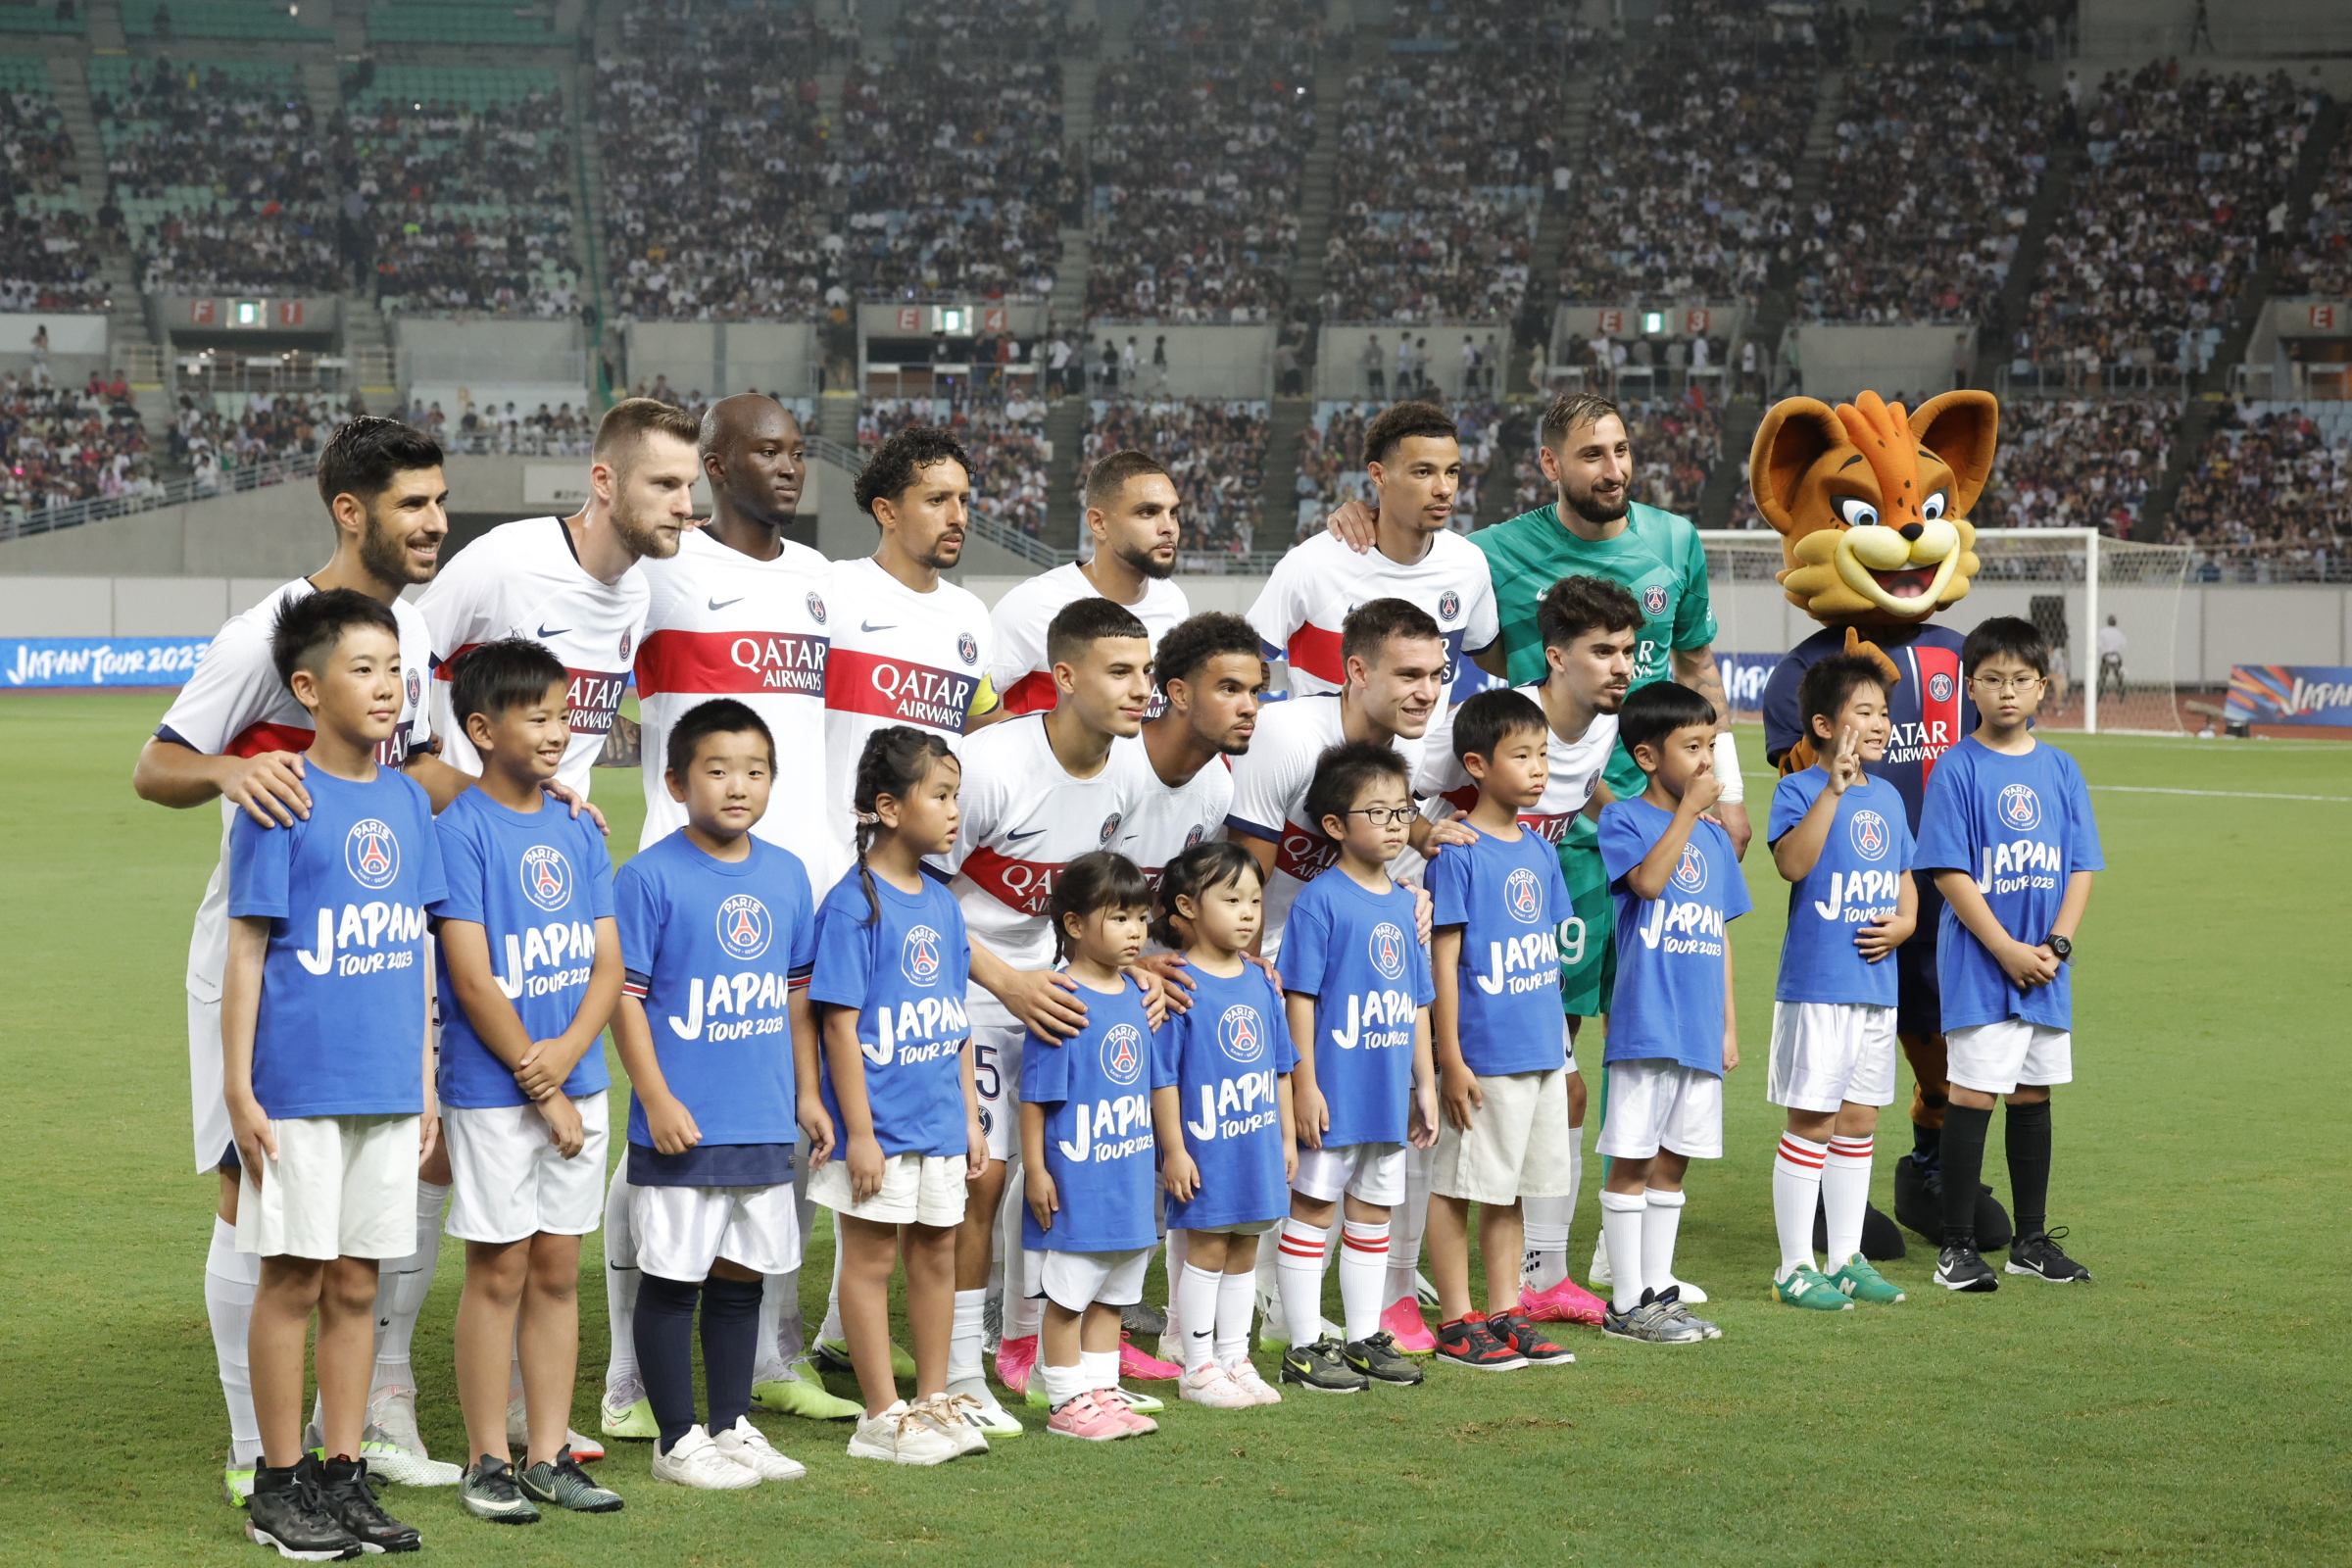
{"x": 1871, "y": 504}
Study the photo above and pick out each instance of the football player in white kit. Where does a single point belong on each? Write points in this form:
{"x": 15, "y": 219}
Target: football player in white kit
{"x": 234, "y": 734}
{"x": 1415, "y": 461}
{"x": 1131, "y": 516}
{"x": 1039, "y": 791}
{"x": 1589, "y": 626}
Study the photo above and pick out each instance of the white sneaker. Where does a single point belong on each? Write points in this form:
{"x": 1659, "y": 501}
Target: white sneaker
{"x": 897, "y": 1436}
{"x": 1245, "y": 1378}
{"x": 394, "y": 1408}
{"x": 1213, "y": 1385}
{"x": 984, "y": 1412}
{"x": 585, "y": 1448}
{"x": 748, "y": 1446}
{"x": 1692, "y": 1294}
{"x": 697, "y": 1462}
{"x": 389, "y": 1461}
{"x": 951, "y": 1413}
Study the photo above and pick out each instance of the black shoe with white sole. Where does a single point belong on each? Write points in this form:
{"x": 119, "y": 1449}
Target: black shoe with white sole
{"x": 350, "y": 1496}
{"x": 1320, "y": 1368}
{"x": 2039, "y": 1256}
{"x": 287, "y": 1514}
{"x": 1961, "y": 1268}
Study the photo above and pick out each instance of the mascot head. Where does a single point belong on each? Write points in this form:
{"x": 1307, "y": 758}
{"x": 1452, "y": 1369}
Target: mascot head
{"x": 1871, "y": 503}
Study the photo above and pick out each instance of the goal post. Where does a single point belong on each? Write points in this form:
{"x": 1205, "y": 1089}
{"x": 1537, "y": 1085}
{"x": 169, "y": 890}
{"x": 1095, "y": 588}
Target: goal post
{"x": 2066, "y": 580}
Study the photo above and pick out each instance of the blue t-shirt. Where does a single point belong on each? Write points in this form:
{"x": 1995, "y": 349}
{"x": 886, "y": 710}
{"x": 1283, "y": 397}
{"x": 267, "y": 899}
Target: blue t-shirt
{"x": 1509, "y": 900}
{"x": 1670, "y": 950}
{"x": 536, "y": 884}
{"x": 716, "y": 949}
{"x": 2020, "y": 826}
{"x": 1355, "y": 951}
{"x": 904, "y": 976}
{"x": 1097, "y": 1090}
{"x": 1226, "y": 1056}
{"x": 341, "y": 1027}
{"x": 1860, "y": 874}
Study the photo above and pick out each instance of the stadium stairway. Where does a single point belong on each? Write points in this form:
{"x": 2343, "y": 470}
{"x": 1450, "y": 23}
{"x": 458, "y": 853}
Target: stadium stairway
{"x": 323, "y": 86}
{"x": 1993, "y": 337}
{"x": 1065, "y": 511}
{"x": 1067, "y": 306}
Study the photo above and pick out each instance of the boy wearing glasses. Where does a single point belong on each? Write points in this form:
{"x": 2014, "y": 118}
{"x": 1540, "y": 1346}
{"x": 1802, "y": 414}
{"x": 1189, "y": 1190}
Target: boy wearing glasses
{"x": 2008, "y": 832}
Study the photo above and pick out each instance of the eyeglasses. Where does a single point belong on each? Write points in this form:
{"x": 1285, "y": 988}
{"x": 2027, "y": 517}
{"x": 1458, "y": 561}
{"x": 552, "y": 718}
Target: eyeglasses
{"x": 2020, "y": 684}
{"x": 1384, "y": 815}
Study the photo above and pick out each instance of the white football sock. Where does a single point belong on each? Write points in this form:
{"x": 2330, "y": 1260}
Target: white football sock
{"x": 1796, "y": 1191}
{"x": 1178, "y": 1256}
{"x": 1237, "y": 1303}
{"x": 774, "y": 1290}
{"x": 401, "y": 1285}
{"x": 1064, "y": 1383}
{"x": 1098, "y": 1369}
{"x": 1621, "y": 1215}
{"x": 1845, "y": 1194}
{"x": 1366, "y": 1269}
{"x": 964, "y": 1340}
{"x": 621, "y": 1281}
{"x": 1544, "y": 1262}
{"x": 1196, "y": 1304}
{"x": 1299, "y": 1268}
{"x": 230, "y": 1279}
{"x": 1661, "y": 1220}
{"x": 1406, "y": 1222}
{"x": 792, "y": 1330}
{"x": 1025, "y": 1271}
{"x": 832, "y": 1333}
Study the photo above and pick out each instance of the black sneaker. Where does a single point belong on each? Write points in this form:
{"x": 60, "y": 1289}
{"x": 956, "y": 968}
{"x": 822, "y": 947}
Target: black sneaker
{"x": 488, "y": 1490}
{"x": 1960, "y": 1268}
{"x": 1520, "y": 1333}
{"x": 350, "y": 1498}
{"x": 286, "y": 1512}
{"x": 1469, "y": 1342}
{"x": 1376, "y": 1357}
{"x": 1318, "y": 1368}
{"x": 560, "y": 1482}
{"x": 2039, "y": 1256}
{"x": 1143, "y": 1320}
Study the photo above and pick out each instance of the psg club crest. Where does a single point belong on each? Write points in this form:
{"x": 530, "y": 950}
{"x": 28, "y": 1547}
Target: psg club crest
{"x": 918, "y": 958}
{"x": 2019, "y": 807}
{"x": 546, "y": 877}
{"x": 744, "y": 928}
{"x": 1523, "y": 897}
{"x": 1870, "y": 835}
{"x": 1692, "y": 875}
{"x": 1110, "y": 825}
{"x": 416, "y": 690}
{"x": 372, "y": 854}
{"x": 1939, "y": 687}
{"x": 967, "y": 648}
{"x": 1123, "y": 1054}
{"x": 1194, "y": 834}
{"x": 1449, "y": 605}
{"x": 1387, "y": 950}
{"x": 1653, "y": 600}
{"x": 624, "y": 647}
{"x": 817, "y": 610}
{"x": 1242, "y": 1033}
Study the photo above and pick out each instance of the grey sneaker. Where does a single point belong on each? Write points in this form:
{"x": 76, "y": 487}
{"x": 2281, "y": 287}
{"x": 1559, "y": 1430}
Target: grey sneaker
{"x": 488, "y": 1491}
{"x": 1653, "y": 1322}
{"x": 560, "y": 1482}
{"x": 1671, "y": 1298}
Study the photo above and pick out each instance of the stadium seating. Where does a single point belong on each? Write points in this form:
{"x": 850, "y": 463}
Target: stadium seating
{"x": 2319, "y": 261}
{"x": 1331, "y": 460}
{"x": 2077, "y": 463}
{"x": 463, "y": 21}
{"x": 1216, "y": 452}
{"x": 2270, "y": 489}
{"x": 46, "y": 260}
{"x": 228, "y": 19}
{"x": 1007, "y": 444}
{"x": 62, "y": 444}
{"x": 37, "y": 18}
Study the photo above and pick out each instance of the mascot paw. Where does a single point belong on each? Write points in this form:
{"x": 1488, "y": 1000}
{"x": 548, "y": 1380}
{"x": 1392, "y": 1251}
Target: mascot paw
{"x": 1862, "y": 647}
{"x": 1919, "y": 1204}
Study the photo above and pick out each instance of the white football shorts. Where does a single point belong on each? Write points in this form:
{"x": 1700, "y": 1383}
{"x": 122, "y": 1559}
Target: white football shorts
{"x": 1658, "y": 1103}
{"x": 507, "y": 1180}
{"x": 340, "y": 1187}
{"x": 1994, "y": 1059}
{"x": 1825, "y": 1053}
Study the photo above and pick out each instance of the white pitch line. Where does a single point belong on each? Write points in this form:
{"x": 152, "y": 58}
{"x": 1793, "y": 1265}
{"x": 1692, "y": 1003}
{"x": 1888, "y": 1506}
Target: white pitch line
{"x": 2227, "y": 795}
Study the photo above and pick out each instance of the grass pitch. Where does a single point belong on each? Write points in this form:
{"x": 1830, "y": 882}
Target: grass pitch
{"x": 2187, "y": 1408}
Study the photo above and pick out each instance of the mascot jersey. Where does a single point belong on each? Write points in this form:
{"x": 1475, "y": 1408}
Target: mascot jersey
{"x": 1929, "y": 707}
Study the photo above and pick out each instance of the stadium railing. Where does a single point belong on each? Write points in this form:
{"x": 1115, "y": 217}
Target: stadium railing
{"x": 17, "y": 524}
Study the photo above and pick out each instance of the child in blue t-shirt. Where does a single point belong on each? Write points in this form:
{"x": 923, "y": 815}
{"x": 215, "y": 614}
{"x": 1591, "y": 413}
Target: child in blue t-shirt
{"x": 1088, "y": 1152}
{"x": 1223, "y": 1117}
{"x": 1500, "y": 1043}
{"x": 1842, "y": 840}
{"x": 1673, "y": 1032}
{"x": 325, "y": 1048}
{"x": 891, "y": 964}
{"x": 2008, "y": 830}
{"x": 530, "y": 970}
{"x": 1357, "y": 993}
{"x": 717, "y": 939}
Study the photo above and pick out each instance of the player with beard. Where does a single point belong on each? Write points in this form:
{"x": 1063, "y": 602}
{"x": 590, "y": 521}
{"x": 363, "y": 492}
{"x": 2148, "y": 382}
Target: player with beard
{"x": 1131, "y": 515}
{"x": 234, "y": 734}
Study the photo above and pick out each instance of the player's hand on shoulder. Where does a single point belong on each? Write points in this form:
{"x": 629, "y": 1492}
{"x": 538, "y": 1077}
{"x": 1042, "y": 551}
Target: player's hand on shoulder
{"x": 1267, "y": 964}
{"x": 267, "y": 787}
{"x": 1454, "y": 829}
{"x": 1047, "y": 1003}
{"x": 1159, "y": 1000}
{"x": 1354, "y": 524}
{"x": 1176, "y": 983}
{"x": 557, "y": 790}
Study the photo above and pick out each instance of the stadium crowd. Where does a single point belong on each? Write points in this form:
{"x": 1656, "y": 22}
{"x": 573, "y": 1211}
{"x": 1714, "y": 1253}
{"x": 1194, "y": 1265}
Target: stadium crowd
{"x": 2270, "y": 494}
{"x": 1968, "y": 146}
{"x": 2077, "y": 463}
{"x": 46, "y": 260}
{"x": 2319, "y": 260}
{"x": 1330, "y": 459}
{"x": 1214, "y": 449}
{"x": 63, "y": 444}
{"x": 1006, "y": 442}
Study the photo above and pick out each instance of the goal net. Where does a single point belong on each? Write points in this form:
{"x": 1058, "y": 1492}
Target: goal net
{"x": 2067, "y": 581}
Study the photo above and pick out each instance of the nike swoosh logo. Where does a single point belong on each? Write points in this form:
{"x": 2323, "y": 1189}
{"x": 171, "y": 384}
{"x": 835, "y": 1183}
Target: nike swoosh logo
{"x": 869, "y": 626}
{"x": 558, "y": 632}
{"x": 1015, "y": 838}
{"x": 721, "y": 604}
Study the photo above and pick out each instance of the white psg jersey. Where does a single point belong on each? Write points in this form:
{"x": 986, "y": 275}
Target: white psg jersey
{"x": 722, "y": 625}
{"x": 1317, "y": 583}
{"x": 1025, "y": 819}
{"x": 524, "y": 579}
{"x": 235, "y": 705}
{"x": 1017, "y": 660}
{"x": 1269, "y": 800}
{"x": 1575, "y": 766}
{"x": 1165, "y": 822}
{"x": 899, "y": 658}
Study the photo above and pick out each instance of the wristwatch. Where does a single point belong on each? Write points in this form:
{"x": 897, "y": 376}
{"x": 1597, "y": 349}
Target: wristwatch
{"x": 2062, "y": 946}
